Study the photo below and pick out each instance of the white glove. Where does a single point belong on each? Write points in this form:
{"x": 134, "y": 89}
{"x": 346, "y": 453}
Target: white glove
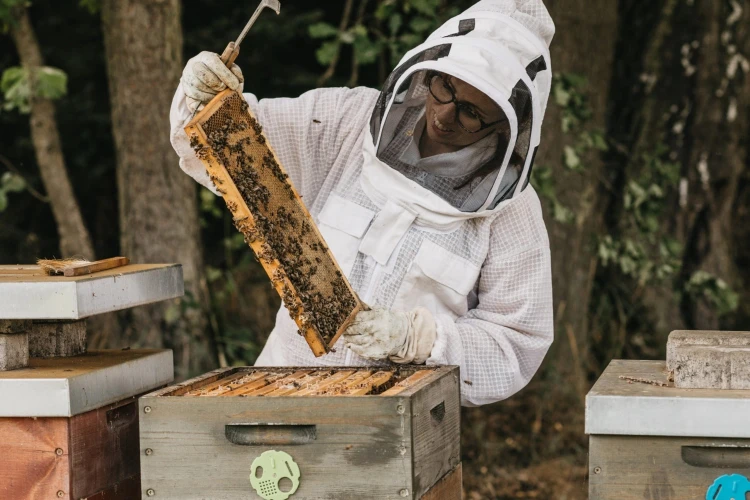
{"x": 403, "y": 337}
{"x": 205, "y": 76}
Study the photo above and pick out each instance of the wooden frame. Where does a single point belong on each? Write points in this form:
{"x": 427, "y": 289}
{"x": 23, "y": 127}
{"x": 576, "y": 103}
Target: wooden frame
{"x": 245, "y": 220}
{"x": 382, "y": 446}
{"x": 304, "y": 381}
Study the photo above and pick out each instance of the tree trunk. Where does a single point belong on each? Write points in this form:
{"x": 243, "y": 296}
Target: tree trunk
{"x": 74, "y": 238}
{"x": 697, "y": 99}
{"x": 584, "y": 45}
{"x": 158, "y": 205}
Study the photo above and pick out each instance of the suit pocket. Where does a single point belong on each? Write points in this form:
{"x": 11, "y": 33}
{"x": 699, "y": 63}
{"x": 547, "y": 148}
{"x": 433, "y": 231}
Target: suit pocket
{"x": 437, "y": 280}
{"x": 342, "y": 224}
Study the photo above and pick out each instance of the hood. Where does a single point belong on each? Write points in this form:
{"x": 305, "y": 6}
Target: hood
{"x": 499, "y": 47}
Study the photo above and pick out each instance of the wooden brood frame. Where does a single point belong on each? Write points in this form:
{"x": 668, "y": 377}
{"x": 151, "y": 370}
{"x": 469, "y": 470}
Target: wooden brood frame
{"x": 225, "y": 162}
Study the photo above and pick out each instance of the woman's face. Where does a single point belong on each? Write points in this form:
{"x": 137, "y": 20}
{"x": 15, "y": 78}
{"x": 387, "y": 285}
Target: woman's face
{"x": 475, "y": 111}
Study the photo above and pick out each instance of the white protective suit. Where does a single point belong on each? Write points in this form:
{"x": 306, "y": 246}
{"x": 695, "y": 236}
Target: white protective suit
{"x": 480, "y": 265}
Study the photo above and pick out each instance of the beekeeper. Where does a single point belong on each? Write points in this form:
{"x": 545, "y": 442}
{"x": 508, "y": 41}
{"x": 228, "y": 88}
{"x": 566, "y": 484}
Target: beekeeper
{"x": 422, "y": 194}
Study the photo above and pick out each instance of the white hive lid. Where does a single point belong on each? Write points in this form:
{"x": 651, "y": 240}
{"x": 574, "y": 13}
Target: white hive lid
{"x": 625, "y": 407}
{"x": 26, "y": 292}
{"x": 64, "y": 387}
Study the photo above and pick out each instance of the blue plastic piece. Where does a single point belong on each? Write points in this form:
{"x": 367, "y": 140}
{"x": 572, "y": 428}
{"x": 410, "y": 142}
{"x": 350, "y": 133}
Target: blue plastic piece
{"x": 729, "y": 487}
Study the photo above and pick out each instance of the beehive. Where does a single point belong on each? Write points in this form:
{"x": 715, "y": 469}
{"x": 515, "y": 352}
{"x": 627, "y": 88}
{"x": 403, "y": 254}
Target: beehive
{"x": 649, "y": 439}
{"x": 271, "y": 215}
{"x": 353, "y": 432}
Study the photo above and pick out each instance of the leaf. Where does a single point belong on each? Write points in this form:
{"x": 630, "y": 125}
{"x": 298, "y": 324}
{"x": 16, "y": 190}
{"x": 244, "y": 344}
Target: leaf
{"x": 327, "y": 52}
{"x": 600, "y": 142}
{"x": 562, "y": 96}
{"x": 51, "y": 83}
{"x": 427, "y": 7}
{"x": 572, "y": 160}
{"x": 3, "y": 200}
{"x": 7, "y": 8}
{"x": 421, "y": 25}
{"x": 562, "y": 214}
{"x": 16, "y": 91}
{"x": 12, "y": 183}
{"x": 394, "y": 23}
{"x": 322, "y": 30}
{"x": 172, "y": 314}
{"x": 365, "y": 49}
{"x": 213, "y": 274}
{"x": 93, "y": 6}
{"x": 385, "y": 10}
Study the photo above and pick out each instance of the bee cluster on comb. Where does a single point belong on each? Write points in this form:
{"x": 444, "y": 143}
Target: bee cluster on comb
{"x": 273, "y": 219}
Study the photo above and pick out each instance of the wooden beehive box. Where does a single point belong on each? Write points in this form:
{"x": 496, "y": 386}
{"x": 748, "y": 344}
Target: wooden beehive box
{"x": 353, "y": 432}
{"x": 274, "y": 220}
{"x": 69, "y": 426}
{"x": 649, "y": 439}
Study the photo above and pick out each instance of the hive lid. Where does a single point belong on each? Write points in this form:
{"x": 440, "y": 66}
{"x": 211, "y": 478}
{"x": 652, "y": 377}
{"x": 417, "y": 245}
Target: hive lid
{"x": 64, "y": 387}
{"x": 26, "y": 292}
{"x": 624, "y": 406}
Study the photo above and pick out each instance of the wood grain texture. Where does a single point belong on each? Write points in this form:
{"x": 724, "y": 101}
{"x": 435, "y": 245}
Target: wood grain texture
{"x": 96, "y": 266}
{"x": 30, "y": 466}
{"x": 225, "y": 106}
{"x": 128, "y": 489}
{"x": 637, "y": 468}
{"x": 104, "y": 447}
{"x": 450, "y": 487}
{"x": 362, "y": 446}
{"x": 436, "y": 422}
{"x": 353, "y": 442}
{"x": 34, "y": 274}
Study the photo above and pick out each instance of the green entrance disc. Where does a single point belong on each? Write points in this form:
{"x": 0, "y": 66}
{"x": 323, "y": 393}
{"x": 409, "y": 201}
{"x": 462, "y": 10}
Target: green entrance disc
{"x": 269, "y": 469}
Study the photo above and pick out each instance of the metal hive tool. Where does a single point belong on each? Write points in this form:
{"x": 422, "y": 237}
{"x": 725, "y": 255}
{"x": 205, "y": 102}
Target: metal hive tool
{"x": 275, "y": 222}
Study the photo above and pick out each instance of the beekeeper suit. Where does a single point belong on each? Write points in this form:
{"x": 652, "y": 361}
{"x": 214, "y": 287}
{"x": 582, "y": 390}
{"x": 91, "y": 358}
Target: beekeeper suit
{"x": 447, "y": 246}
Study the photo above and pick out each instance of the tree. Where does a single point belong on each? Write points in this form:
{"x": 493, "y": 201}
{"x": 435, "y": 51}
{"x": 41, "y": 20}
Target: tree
{"x": 32, "y": 89}
{"x": 690, "y": 117}
{"x": 571, "y": 165}
{"x": 157, "y": 202}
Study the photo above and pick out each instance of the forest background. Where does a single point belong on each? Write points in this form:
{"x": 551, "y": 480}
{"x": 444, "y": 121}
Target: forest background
{"x": 643, "y": 171}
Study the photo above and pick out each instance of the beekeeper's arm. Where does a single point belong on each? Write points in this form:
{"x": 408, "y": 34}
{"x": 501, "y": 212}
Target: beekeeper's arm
{"x": 306, "y": 132}
{"x": 501, "y": 343}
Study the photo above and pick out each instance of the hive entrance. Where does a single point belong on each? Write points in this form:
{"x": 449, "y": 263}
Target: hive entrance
{"x": 270, "y": 214}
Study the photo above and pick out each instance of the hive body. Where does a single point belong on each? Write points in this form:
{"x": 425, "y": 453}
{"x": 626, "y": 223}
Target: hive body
{"x": 353, "y": 432}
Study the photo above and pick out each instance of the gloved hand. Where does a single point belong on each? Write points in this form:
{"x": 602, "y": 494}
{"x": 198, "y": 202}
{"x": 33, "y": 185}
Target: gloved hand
{"x": 403, "y": 337}
{"x": 205, "y": 76}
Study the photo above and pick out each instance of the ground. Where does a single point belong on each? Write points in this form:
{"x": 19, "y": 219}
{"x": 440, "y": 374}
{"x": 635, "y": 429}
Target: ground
{"x": 525, "y": 447}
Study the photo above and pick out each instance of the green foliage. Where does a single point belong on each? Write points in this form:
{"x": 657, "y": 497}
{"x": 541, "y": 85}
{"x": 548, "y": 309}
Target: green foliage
{"x": 645, "y": 196}
{"x": 390, "y": 29}
{"x": 10, "y": 183}
{"x": 14, "y": 85}
{"x": 50, "y": 83}
{"x": 7, "y": 10}
{"x": 93, "y": 6}
{"x": 543, "y": 181}
{"x": 569, "y": 92}
{"x": 715, "y": 291}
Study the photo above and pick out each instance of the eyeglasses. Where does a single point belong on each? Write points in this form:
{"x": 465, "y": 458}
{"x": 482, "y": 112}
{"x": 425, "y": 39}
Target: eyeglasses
{"x": 466, "y": 117}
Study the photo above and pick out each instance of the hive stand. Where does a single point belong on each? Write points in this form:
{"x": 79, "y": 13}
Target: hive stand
{"x": 68, "y": 417}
